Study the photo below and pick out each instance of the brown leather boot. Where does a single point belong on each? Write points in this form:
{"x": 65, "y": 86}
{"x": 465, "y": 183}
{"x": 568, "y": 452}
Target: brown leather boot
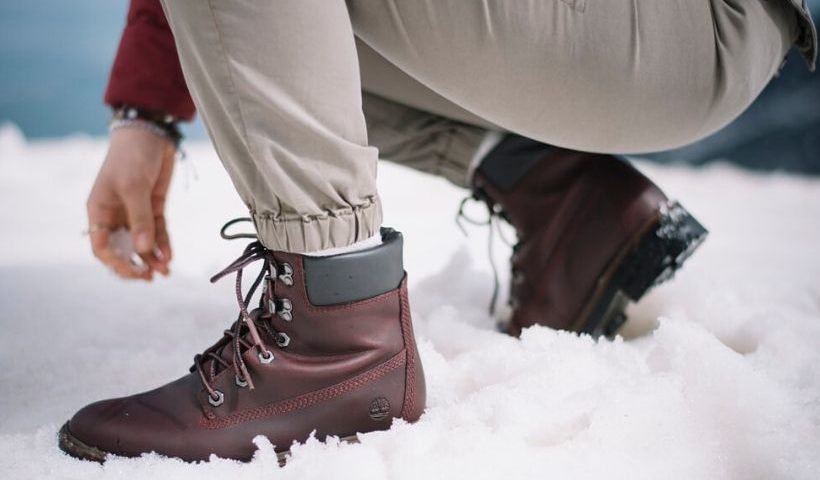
{"x": 329, "y": 349}
{"x": 593, "y": 234}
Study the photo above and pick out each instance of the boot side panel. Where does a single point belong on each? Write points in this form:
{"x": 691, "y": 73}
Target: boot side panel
{"x": 365, "y": 403}
{"x": 415, "y": 390}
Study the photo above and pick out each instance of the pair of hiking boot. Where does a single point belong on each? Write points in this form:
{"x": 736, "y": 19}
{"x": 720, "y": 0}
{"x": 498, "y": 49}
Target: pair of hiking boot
{"x": 329, "y": 347}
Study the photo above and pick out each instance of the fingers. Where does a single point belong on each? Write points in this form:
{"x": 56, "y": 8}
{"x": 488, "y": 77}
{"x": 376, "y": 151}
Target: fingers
{"x": 102, "y": 249}
{"x": 102, "y": 221}
{"x": 154, "y": 263}
{"x": 124, "y": 251}
{"x": 163, "y": 241}
{"x": 160, "y": 256}
{"x": 137, "y": 201}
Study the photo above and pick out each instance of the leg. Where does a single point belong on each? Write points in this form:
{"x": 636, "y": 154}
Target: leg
{"x": 434, "y": 136}
{"x": 283, "y": 108}
{"x": 607, "y": 76}
{"x": 386, "y": 80}
{"x": 594, "y": 233}
{"x": 413, "y": 125}
{"x": 421, "y": 140}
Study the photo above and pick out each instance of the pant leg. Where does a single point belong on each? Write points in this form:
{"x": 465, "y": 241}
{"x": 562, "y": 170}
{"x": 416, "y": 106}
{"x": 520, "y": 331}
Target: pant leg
{"x": 434, "y": 135}
{"x": 386, "y": 80}
{"x": 278, "y": 87}
{"x": 421, "y": 140}
{"x": 612, "y": 76}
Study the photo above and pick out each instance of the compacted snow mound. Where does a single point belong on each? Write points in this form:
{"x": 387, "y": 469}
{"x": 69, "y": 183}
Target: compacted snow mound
{"x": 717, "y": 376}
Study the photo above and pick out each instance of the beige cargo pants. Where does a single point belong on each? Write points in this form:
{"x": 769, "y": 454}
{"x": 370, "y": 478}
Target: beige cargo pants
{"x": 300, "y": 97}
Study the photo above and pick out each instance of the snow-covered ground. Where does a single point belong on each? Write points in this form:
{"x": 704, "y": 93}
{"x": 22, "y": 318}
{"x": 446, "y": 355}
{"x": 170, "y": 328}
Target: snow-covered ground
{"x": 718, "y": 376}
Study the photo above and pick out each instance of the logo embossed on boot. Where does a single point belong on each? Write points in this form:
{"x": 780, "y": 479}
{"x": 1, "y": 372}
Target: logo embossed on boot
{"x": 379, "y": 408}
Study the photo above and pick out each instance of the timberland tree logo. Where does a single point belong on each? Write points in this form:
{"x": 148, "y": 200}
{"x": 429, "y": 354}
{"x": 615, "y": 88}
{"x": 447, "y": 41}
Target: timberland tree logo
{"x": 379, "y": 408}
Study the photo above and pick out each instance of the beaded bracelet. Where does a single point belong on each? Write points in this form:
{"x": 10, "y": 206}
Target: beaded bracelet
{"x": 159, "y": 124}
{"x": 138, "y": 123}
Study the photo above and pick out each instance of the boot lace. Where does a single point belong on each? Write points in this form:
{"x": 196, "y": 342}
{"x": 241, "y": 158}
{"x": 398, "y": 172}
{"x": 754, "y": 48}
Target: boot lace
{"x": 244, "y": 333}
{"x": 493, "y": 220}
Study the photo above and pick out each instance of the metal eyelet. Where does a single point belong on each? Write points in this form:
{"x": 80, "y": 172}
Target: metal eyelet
{"x": 282, "y": 307}
{"x": 282, "y": 339}
{"x": 285, "y": 311}
{"x": 265, "y": 358}
{"x": 286, "y": 274}
{"x": 240, "y": 382}
{"x": 219, "y": 400}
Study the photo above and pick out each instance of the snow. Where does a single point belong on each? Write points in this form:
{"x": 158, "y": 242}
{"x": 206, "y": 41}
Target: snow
{"x": 716, "y": 376}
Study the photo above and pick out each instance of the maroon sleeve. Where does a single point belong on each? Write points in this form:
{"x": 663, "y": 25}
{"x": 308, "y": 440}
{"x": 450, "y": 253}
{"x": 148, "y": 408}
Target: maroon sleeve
{"x": 146, "y": 72}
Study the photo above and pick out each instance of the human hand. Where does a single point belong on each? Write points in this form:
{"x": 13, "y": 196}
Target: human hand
{"x": 130, "y": 192}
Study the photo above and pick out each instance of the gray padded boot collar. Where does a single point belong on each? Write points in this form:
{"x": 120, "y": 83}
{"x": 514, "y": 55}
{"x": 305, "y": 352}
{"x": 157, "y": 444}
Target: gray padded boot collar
{"x": 350, "y": 277}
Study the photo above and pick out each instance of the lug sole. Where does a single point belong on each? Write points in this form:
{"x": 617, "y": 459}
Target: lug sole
{"x": 651, "y": 258}
{"x": 80, "y": 450}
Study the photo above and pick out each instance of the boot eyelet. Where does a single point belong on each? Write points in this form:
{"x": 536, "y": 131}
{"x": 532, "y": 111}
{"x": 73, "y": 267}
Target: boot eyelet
{"x": 282, "y": 339}
{"x": 219, "y": 400}
{"x": 240, "y": 382}
{"x": 285, "y": 310}
{"x": 265, "y": 358}
{"x": 286, "y": 274}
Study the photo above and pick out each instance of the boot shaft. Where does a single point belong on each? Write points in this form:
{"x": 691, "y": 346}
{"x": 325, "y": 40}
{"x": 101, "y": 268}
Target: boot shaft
{"x": 532, "y": 183}
{"x": 338, "y": 304}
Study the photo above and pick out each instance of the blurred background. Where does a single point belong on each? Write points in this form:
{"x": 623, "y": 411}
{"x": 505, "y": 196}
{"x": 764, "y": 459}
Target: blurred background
{"x": 55, "y": 56}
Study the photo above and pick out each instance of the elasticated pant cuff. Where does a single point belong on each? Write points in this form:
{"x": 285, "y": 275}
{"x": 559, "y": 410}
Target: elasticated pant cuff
{"x": 309, "y": 233}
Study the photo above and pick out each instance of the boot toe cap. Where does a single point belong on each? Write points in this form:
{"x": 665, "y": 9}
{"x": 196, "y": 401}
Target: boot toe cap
{"x": 101, "y": 425}
{"x": 125, "y": 426}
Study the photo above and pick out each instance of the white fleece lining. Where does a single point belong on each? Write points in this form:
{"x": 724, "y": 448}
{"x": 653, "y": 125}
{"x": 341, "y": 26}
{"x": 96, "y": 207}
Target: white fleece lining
{"x": 371, "y": 242}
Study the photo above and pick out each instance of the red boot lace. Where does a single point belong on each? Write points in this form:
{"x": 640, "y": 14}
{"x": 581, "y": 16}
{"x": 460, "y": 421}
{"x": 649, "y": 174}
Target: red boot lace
{"x": 244, "y": 333}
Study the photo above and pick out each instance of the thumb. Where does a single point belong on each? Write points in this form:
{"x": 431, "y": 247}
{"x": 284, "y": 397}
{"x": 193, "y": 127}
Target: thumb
{"x": 140, "y": 220}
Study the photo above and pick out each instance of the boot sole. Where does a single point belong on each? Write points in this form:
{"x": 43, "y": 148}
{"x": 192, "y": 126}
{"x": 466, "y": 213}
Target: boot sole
{"x": 76, "y": 448}
{"x": 649, "y": 259}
